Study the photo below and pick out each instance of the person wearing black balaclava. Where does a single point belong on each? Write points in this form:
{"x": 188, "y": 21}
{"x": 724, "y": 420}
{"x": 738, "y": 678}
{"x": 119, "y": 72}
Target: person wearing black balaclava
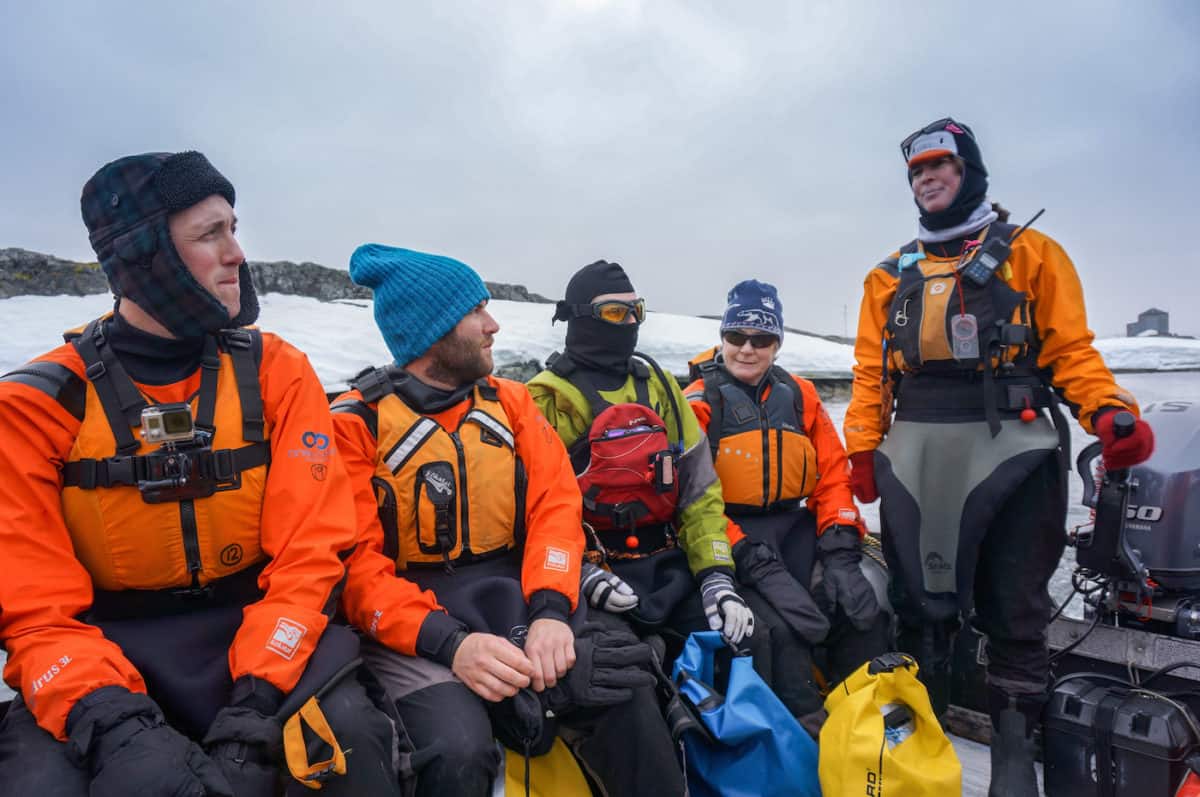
{"x": 597, "y": 346}
{"x": 966, "y": 337}
{"x": 681, "y": 569}
{"x": 172, "y": 525}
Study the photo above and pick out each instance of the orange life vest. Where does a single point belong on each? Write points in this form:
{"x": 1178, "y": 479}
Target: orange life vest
{"x": 763, "y": 457}
{"x": 129, "y": 541}
{"x": 447, "y": 497}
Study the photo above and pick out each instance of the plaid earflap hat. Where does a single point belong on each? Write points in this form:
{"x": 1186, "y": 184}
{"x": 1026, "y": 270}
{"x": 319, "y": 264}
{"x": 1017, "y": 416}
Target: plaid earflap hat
{"x": 125, "y": 206}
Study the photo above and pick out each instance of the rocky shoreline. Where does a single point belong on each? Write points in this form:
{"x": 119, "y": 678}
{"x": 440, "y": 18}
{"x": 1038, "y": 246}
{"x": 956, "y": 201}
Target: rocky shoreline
{"x": 26, "y": 273}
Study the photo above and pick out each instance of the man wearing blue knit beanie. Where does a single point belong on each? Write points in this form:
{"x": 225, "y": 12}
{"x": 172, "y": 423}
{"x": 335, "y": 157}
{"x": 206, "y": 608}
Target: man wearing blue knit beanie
{"x": 466, "y": 580}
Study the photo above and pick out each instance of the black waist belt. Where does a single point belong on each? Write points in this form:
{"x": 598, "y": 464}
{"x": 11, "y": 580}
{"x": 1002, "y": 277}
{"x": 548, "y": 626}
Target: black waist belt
{"x": 465, "y": 560}
{"x": 650, "y": 540}
{"x": 941, "y": 398}
{"x": 238, "y": 589}
{"x": 222, "y": 466}
{"x": 788, "y": 505}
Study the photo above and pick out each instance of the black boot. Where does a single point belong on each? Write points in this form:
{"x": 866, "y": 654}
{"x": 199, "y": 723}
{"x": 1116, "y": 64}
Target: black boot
{"x": 1013, "y": 750}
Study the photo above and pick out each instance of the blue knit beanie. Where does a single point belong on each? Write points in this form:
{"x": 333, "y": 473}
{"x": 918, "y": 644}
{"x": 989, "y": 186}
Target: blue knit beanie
{"x": 418, "y": 297}
{"x": 754, "y": 305}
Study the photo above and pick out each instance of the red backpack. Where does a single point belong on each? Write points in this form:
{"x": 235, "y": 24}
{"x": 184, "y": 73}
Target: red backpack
{"x": 625, "y": 463}
{"x": 629, "y": 480}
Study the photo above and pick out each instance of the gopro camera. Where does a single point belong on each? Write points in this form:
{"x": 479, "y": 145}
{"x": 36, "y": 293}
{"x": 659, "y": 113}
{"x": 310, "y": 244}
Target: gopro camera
{"x": 168, "y": 423}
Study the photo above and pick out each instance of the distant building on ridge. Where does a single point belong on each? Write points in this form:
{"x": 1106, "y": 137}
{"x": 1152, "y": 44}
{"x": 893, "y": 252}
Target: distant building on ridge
{"x": 1152, "y": 321}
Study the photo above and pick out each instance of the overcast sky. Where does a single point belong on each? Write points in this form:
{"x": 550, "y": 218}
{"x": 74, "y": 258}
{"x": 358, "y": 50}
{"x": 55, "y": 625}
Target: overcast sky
{"x": 696, "y": 143}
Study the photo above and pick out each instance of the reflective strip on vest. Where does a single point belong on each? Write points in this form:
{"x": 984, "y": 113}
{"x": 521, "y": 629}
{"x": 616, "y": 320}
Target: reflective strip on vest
{"x": 403, "y": 451}
{"x": 492, "y": 425}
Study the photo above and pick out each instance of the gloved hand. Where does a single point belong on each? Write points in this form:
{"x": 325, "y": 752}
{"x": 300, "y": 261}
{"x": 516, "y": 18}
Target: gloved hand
{"x": 126, "y": 745}
{"x": 610, "y": 664}
{"x": 606, "y": 590}
{"x": 759, "y": 567}
{"x": 839, "y": 550}
{"x": 1122, "y": 452}
{"x": 246, "y": 740}
{"x": 725, "y": 609}
{"x": 862, "y": 476}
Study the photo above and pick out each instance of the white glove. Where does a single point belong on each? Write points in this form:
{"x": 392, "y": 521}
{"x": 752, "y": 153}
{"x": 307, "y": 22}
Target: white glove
{"x": 606, "y": 590}
{"x": 725, "y": 609}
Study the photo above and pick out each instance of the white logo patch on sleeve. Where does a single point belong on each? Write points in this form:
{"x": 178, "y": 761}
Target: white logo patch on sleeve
{"x": 720, "y": 550}
{"x": 557, "y": 559}
{"x": 848, "y": 516}
{"x": 285, "y": 639}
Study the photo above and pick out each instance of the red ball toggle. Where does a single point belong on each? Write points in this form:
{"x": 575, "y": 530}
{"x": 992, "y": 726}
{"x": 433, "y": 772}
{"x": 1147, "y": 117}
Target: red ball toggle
{"x": 631, "y": 542}
{"x": 1028, "y": 415}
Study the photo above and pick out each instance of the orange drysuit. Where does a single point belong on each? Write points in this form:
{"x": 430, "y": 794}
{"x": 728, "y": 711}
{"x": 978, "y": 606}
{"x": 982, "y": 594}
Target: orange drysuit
{"x": 1053, "y": 306}
{"x": 49, "y": 563}
{"x": 393, "y": 609}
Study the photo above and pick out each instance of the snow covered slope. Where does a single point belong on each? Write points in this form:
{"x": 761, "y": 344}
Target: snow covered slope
{"x": 341, "y": 339}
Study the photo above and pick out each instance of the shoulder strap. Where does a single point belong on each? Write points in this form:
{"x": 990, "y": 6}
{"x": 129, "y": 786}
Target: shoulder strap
{"x": 245, "y": 349}
{"x": 782, "y": 378}
{"x": 892, "y": 264}
{"x": 675, "y": 408}
{"x": 713, "y": 377}
{"x": 359, "y": 408}
{"x": 372, "y": 383}
{"x": 206, "y": 400}
{"x": 56, "y": 381}
{"x": 560, "y": 364}
{"x": 119, "y": 397}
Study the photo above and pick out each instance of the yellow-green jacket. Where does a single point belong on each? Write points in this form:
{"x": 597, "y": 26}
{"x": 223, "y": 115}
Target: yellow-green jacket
{"x": 700, "y": 516}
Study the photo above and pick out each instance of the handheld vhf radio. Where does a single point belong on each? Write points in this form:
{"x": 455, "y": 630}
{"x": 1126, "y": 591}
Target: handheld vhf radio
{"x": 994, "y": 252}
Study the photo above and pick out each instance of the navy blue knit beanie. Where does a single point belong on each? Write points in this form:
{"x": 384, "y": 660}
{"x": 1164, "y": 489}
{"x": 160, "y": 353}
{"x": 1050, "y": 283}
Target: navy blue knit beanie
{"x": 125, "y": 206}
{"x": 418, "y": 297}
{"x": 754, "y": 305}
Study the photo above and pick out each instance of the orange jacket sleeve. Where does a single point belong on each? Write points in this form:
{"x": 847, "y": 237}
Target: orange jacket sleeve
{"x": 53, "y": 659}
{"x": 863, "y": 425}
{"x": 553, "y": 506}
{"x": 307, "y": 522}
{"x": 1060, "y": 321}
{"x": 831, "y": 500}
{"x": 387, "y": 607}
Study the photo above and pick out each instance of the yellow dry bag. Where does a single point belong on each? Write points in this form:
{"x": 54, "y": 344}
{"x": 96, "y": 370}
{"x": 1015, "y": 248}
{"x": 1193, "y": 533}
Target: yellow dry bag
{"x": 555, "y": 774}
{"x": 882, "y": 738}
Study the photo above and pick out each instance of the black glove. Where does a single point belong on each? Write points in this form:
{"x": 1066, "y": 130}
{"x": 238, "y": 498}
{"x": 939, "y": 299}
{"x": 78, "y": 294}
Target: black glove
{"x": 610, "y": 663}
{"x": 839, "y": 550}
{"x": 246, "y": 740}
{"x": 128, "y": 748}
{"x": 759, "y": 567}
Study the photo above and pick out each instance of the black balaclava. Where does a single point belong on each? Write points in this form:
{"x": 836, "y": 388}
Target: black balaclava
{"x": 592, "y": 343}
{"x": 125, "y": 206}
{"x": 974, "y": 186}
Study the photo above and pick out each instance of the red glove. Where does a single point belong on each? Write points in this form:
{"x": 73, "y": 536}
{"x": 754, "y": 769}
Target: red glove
{"x": 862, "y": 476}
{"x": 1122, "y": 452}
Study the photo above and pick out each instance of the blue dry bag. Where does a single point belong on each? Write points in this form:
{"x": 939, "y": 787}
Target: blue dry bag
{"x": 760, "y": 750}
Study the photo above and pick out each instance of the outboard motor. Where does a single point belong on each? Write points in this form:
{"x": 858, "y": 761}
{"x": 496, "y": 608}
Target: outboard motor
{"x": 1146, "y": 535}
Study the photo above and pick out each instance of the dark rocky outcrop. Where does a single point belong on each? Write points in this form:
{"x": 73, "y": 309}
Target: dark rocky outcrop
{"x": 23, "y": 272}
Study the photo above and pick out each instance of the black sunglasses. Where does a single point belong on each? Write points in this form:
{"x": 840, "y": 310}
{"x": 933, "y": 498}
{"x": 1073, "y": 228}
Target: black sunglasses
{"x": 945, "y": 123}
{"x": 737, "y": 340}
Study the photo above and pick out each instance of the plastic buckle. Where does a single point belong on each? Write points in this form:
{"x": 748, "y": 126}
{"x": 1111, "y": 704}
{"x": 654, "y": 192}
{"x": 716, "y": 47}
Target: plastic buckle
{"x": 95, "y": 371}
{"x": 194, "y": 593}
{"x": 223, "y": 468}
{"x": 238, "y": 338}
